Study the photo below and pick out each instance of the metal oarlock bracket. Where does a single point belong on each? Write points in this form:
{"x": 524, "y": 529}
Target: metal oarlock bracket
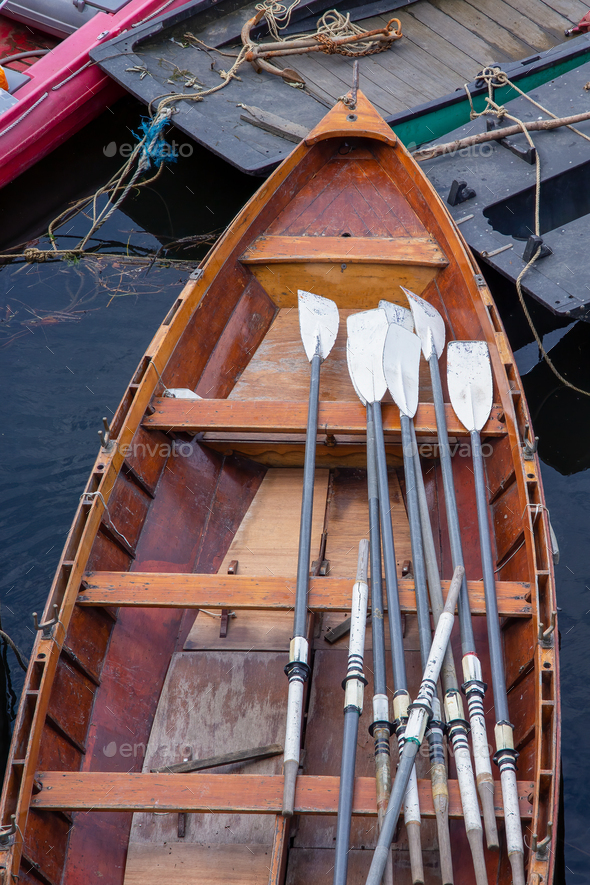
{"x": 541, "y": 849}
{"x": 47, "y": 627}
{"x": 105, "y": 437}
{"x": 7, "y": 834}
{"x": 529, "y": 448}
{"x": 546, "y": 636}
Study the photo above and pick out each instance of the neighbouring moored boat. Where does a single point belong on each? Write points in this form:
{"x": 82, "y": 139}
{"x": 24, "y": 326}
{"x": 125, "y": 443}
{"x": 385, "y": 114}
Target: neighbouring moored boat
{"x": 54, "y": 89}
{"x": 165, "y": 635}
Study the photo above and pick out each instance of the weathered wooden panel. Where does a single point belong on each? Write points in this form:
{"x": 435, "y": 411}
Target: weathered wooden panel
{"x": 71, "y": 701}
{"x": 355, "y": 198}
{"x": 217, "y": 702}
{"x": 243, "y": 333}
{"x": 519, "y": 648}
{"x": 508, "y": 523}
{"x": 499, "y": 466}
{"x": 279, "y": 370}
{"x": 177, "y": 863}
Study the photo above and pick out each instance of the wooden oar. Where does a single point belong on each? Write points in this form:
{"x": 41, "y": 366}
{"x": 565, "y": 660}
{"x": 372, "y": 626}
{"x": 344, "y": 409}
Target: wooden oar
{"x": 366, "y": 340}
{"x": 471, "y": 389}
{"x": 416, "y": 728}
{"x": 431, "y": 330}
{"x": 353, "y": 685}
{"x": 318, "y": 323}
{"x": 401, "y": 365}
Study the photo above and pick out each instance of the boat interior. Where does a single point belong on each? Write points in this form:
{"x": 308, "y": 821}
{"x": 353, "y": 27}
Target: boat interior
{"x": 175, "y": 592}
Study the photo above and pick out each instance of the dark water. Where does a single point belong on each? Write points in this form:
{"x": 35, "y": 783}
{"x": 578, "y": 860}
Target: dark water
{"x": 71, "y": 336}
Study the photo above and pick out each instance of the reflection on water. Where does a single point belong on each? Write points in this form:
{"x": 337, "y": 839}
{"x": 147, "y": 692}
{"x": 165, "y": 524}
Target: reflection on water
{"x": 71, "y": 336}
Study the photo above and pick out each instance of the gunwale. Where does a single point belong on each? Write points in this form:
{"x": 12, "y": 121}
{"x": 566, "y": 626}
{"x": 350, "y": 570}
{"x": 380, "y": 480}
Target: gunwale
{"x": 73, "y": 571}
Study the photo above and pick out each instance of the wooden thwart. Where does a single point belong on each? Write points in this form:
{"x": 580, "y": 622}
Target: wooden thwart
{"x": 291, "y": 417}
{"x": 380, "y": 250}
{"x": 239, "y": 793}
{"x": 265, "y": 593}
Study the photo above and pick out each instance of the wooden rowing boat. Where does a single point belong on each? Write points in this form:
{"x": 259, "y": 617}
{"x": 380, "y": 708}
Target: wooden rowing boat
{"x": 192, "y": 512}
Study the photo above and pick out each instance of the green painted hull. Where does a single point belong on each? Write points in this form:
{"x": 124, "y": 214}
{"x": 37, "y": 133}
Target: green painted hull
{"x": 435, "y": 122}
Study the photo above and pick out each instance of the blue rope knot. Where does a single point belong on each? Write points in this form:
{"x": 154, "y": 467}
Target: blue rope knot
{"x": 155, "y": 148}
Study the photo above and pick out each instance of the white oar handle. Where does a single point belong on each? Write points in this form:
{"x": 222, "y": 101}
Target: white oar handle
{"x": 297, "y": 670}
{"x": 474, "y": 688}
{"x": 355, "y": 681}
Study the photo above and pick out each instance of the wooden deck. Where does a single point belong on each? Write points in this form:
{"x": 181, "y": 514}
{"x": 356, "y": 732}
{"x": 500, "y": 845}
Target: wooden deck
{"x": 445, "y": 44}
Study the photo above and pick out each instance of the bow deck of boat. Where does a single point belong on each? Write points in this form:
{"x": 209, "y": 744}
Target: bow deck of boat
{"x": 191, "y": 514}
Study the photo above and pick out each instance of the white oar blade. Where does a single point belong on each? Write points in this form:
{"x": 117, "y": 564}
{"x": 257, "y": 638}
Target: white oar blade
{"x": 318, "y": 323}
{"x": 364, "y": 353}
{"x": 469, "y": 377}
{"x": 398, "y": 314}
{"x": 401, "y": 366}
{"x": 430, "y": 326}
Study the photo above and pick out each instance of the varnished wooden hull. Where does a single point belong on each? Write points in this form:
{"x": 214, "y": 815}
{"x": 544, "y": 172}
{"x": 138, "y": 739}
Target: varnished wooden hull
{"x": 129, "y": 677}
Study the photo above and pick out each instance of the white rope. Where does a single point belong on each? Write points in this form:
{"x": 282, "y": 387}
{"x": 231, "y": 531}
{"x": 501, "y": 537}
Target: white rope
{"x": 489, "y": 75}
{"x": 277, "y": 15}
{"x": 152, "y": 14}
{"x": 75, "y": 74}
{"x": 22, "y": 117}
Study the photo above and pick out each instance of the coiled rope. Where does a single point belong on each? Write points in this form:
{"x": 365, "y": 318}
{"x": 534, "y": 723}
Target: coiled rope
{"x": 495, "y": 77}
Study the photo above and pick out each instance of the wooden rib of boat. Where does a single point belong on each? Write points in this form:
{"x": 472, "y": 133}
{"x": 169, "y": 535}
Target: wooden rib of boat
{"x": 191, "y": 513}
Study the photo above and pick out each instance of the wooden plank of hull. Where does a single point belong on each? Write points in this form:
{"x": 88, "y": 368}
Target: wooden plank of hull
{"x": 175, "y": 863}
{"x": 245, "y": 592}
{"x": 239, "y": 793}
{"x": 288, "y": 417}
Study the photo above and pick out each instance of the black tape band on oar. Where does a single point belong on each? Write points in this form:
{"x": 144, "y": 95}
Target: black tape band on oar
{"x": 470, "y": 386}
{"x": 318, "y": 321}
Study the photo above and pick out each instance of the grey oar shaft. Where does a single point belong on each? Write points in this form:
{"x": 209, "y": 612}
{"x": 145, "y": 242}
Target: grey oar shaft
{"x": 489, "y": 583}
{"x": 351, "y": 725}
{"x": 378, "y": 630}
{"x": 393, "y": 607}
{"x": 438, "y": 768}
{"x": 421, "y": 592}
{"x": 353, "y": 707}
{"x": 412, "y": 804}
{"x": 300, "y": 617}
{"x": 448, "y": 673}
{"x": 467, "y": 640}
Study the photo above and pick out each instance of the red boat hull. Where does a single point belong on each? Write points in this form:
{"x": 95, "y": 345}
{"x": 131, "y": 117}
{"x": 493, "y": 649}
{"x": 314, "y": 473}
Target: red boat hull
{"x": 65, "y": 91}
